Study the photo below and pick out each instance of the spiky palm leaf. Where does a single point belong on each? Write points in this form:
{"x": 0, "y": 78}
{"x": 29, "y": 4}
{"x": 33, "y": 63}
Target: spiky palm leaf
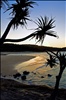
{"x": 62, "y": 59}
{"x": 51, "y": 61}
{"x": 20, "y": 12}
{"x": 44, "y": 28}
{"x": 3, "y": 2}
{"x": 25, "y": 3}
{"x": 56, "y": 58}
{"x": 21, "y": 19}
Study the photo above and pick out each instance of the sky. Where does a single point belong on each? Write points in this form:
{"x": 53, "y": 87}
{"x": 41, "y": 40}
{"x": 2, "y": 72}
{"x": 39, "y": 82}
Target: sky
{"x": 55, "y": 9}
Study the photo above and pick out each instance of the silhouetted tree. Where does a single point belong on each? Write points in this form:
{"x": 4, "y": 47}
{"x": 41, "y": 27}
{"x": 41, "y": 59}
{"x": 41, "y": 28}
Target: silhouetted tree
{"x": 57, "y": 58}
{"x": 44, "y": 28}
{"x": 20, "y": 14}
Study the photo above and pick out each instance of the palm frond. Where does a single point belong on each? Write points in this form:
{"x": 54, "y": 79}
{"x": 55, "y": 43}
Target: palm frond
{"x": 17, "y": 1}
{"x": 21, "y": 18}
{"x": 25, "y": 3}
{"x": 62, "y": 58}
{"x": 51, "y": 61}
{"x": 3, "y": 3}
{"x": 52, "y": 33}
{"x": 44, "y": 28}
{"x": 20, "y": 12}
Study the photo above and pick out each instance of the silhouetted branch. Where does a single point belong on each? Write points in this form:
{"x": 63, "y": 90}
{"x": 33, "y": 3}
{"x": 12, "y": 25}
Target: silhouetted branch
{"x": 19, "y": 40}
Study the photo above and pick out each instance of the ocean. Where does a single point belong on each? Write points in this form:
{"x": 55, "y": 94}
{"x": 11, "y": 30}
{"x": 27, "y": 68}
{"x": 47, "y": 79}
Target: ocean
{"x": 40, "y": 74}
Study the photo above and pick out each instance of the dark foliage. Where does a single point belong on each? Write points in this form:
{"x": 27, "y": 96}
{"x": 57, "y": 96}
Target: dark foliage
{"x": 57, "y": 58}
{"x": 44, "y": 28}
{"x": 20, "y": 15}
{"x": 26, "y": 47}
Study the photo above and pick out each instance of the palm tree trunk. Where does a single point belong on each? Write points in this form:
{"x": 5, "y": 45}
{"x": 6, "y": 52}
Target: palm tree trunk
{"x": 6, "y": 31}
{"x": 23, "y": 39}
{"x": 55, "y": 92}
{"x": 19, "y": 40}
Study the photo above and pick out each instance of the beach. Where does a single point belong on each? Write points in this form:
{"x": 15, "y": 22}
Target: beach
{"x": 9, "y": 62}
{"x": 18, "y": 62}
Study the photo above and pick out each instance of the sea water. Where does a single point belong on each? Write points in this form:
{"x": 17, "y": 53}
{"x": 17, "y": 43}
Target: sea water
{"x": 39, "y": 71}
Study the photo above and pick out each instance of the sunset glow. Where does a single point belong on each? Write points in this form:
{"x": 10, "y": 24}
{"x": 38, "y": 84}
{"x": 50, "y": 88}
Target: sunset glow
{"x": 55, "y": 9}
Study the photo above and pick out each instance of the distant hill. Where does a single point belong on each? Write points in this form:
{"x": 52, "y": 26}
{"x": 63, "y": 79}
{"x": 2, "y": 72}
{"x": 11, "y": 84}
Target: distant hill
{"x": 27, "y": 47}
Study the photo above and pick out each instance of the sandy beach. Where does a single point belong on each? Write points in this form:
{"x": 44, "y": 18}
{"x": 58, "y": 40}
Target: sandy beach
{"x": 9, "y": 62}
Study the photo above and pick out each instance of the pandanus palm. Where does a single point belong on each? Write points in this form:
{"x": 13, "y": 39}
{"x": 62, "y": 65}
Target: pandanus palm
{"x": 20, "y": 15}
{"x": 44, "y": 28}
{"x": 52, "y": 61}
{"x": 57, "y": 58}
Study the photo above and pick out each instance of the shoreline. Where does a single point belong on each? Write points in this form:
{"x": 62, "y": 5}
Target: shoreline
{"x": 36, "y": 77}
{"x": 9, "y": 63}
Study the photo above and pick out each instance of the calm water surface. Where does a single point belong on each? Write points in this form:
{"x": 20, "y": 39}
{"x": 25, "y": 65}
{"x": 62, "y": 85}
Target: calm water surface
{"x": 38, "y": 69}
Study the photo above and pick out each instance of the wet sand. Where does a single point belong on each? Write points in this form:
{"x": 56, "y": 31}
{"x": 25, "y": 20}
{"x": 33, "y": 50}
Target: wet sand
{"x": 9, "y": 62}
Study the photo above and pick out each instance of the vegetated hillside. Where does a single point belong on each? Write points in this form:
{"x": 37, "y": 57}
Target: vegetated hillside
{"x": 27, "y": 47}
